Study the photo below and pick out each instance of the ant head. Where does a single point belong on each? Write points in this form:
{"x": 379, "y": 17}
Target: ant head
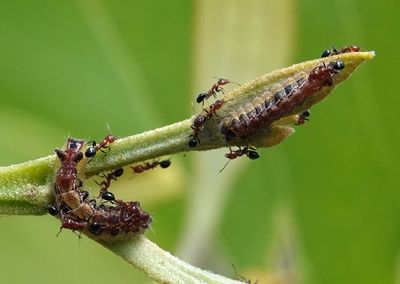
{"x": 118, "y": 172}
{"x": 222, "y": 81}
{"x": 165, "y": 164}
{"x": 326, "y": 53}
{"x": 200, "y": 98}
{"x": 90, "y": 152}
{"x": 253, "y": 155}
{"x": 354, "y": 48}
{"x": 193, "y": 143}
{"x": 199, "y": 121}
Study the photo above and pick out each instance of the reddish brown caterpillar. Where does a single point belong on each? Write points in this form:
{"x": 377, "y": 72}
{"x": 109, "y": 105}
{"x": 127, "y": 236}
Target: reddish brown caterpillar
{"x": 149, "y": 166}
{"x": 92, "y": 150}
{"x": 334, "y": 51}
{"x": 78, "y": 213}
{"x": 124, "y": 218}
{"x": 200, "y": 120}
{"x": 278, "y": 101}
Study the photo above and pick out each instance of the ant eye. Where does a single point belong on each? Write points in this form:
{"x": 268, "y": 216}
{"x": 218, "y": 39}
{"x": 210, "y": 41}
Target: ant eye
{"x": 326, "y": 53}
{"x": 338, "y": 65}
{"x": 165, "y": 164}
{"x": 90, "y": 152}
{"x": 253, "y": 155}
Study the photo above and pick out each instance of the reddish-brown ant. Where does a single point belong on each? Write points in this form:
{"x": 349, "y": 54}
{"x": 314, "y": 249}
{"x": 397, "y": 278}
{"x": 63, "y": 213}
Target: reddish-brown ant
{"x": 198, "y": 124}
{"x": 148, "y": 166}
{"x": 213, "y": 109}
{"x": 216, "y": 88}
{"x": 92, "y": 150}
{"x": 250, "y": 152}
{"x": 104, "y": 185}
{"x": 200, "y": 120}
{"x": 334, "y": 51}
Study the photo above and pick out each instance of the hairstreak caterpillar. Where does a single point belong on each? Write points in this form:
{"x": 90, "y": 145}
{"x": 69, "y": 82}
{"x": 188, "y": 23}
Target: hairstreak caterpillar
{"x": 278, "y": 101}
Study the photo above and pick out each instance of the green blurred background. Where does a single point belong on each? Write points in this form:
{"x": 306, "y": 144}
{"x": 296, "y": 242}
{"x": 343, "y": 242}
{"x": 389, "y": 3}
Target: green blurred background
{"x": 319, "y": 208}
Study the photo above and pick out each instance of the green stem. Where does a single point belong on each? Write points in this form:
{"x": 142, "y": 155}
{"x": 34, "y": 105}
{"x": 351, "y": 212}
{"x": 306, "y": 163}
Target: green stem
{"x": 160, "y": 265}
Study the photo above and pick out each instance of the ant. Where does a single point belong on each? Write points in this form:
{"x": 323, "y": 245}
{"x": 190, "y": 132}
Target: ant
{"x": 213, "y": 109}
{"x": 148, "y": 166}
{"x": 92, "y": 150}
{"x": 104, "y": 185}
{"x": 250, "y": 152}
{"x": 200, "y": 120}
{"x": 215, "y": 88}
{"x": 198, "y": 124}
{"x": 334, "y": 51}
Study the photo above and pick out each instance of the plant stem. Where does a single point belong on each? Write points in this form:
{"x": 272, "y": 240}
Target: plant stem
{"x": 160, "y": 265}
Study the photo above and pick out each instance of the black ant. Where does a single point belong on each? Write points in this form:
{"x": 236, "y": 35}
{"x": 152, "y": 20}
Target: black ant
{"x": 104, "y": 185}
{"x": 92, "y": 150}
{"x": 216, "y": 88}
{"x": 250, "y": 152}
{"x": 148, "y": 166}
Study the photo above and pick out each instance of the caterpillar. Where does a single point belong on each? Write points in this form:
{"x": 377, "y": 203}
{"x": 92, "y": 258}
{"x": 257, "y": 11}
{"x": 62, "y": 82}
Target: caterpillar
{"x": 78, "y": 213}
{"x": 278, "y": 101}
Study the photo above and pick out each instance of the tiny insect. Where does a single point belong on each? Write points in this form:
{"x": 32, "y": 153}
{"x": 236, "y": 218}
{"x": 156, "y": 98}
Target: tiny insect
{"x": 148, "y": 166}
{"x": 200, "y": 120}
{"x": 198, "y": 124}
{"x": 105, "y": 184}
{"x": 278, "y": 101}
{"x": 212, "y": 111}
{"x": 215, "y": 88}
{"x": 250, "y": 152}
{"x": 94, "y": 148}
{"x": 334, "y": 51}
